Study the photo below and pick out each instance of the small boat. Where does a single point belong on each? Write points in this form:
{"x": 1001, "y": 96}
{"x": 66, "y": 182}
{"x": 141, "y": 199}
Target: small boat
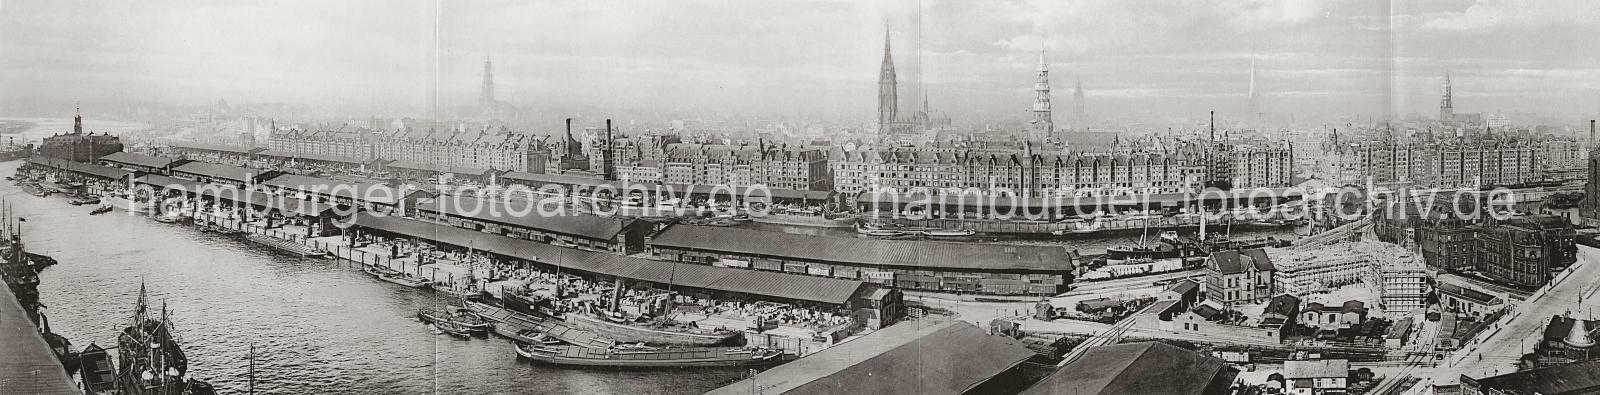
{"x": 878, "y": 232}
{"x": 377, "y": 271}
{"x": 99, "y": 375}
{"x": 167, "y": 219}
{"x": 83, "y": 200}
{"x": 466, "y": 320}
{"x": 405, "y": 279}
{"x": 649, "y": 357}
{"x": 950, "y": 233}
{"x": 286, "y": 246}
{"x": 453, "y": 329}
{"x": 100, "y": 210}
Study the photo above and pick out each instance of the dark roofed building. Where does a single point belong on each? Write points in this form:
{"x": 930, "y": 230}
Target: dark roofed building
{"x": 140, "y": 162}
{"x": 1582, "y": 378}
{"x": 921, "y": 265}
{"x": 946, "y": 358}
{"x": 1139, "y": 368}
{"x": 786, "y": 288}
{"x": 525, "y": 221}
{"x": 222, "y": 174}
{"x": 1466, "y": 300}
{"x": 1235, "y": 277}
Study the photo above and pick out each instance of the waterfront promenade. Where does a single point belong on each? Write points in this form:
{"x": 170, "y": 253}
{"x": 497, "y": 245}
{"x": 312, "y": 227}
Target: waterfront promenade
{"x": 27, "y": 366}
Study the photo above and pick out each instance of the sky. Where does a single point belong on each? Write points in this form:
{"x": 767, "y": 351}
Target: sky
{"x": 973, "y": 59}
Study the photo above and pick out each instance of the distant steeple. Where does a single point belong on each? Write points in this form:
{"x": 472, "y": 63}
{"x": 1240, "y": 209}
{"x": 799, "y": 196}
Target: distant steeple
{"x": 887, "y": 89}
{"x": 1079, "y": 116}
{"x": 1447, "y": 109}
{"x": 77, "y": 120}
{"x": 1255, "y": 103}
{"x": 486, "y": 95}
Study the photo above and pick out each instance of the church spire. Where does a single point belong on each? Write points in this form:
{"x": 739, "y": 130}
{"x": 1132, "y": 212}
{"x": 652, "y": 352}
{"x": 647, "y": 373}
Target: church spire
{"x": 888, "y": 105}
{"x": 1041, "y": 100}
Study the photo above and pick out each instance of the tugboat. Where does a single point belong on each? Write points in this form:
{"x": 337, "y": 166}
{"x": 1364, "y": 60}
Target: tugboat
{"x": 150, "y": 361}
{"x": 100, "y": 210}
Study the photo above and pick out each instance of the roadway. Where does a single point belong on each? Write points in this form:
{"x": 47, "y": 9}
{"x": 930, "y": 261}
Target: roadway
{"x": 1498, "y": 350}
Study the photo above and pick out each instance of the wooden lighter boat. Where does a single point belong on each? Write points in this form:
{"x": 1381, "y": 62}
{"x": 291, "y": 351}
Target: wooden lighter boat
{"x": 649, "y": 357}
{"x": 453, "y": 329}
{"x": 509, "y": 322}
{"x": 650, "y": 333}
{"x": 950, "y": 233}
{"x": 405, "y": 279}
{"x": 100, "y": 210}
{"x": 467, "y": 321}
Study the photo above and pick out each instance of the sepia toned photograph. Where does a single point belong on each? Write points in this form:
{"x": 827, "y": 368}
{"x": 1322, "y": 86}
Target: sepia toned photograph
{"x": 920, "y": 197}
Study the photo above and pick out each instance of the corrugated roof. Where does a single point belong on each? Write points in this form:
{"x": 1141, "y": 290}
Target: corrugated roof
{"x": 526, "y": 215}
{"x": 951, "y": 358}
{"x": 264, "y": 199}
{"x": 78, "y": 167}
{"x": 233, "y": 173}
{"x": 1134, "y": 368}
{"x": 129, "y": 158}
{"x": 793, "y": 286}
{"x": 913, "y": 254}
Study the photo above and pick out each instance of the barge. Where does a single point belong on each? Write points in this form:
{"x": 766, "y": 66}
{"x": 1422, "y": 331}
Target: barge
{"x": 649, "y": 357}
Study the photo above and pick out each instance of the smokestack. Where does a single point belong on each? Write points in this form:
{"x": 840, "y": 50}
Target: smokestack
{"x": 608, "y": 159}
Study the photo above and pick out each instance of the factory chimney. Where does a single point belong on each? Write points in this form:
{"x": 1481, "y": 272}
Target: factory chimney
{"x": 607, "y": 157}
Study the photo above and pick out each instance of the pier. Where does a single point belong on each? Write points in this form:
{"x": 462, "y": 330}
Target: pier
{"x": 27, "y": 365}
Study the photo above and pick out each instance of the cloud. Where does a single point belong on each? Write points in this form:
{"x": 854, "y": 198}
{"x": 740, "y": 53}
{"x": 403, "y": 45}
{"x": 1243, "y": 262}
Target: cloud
{"x": 1496, "y": 14}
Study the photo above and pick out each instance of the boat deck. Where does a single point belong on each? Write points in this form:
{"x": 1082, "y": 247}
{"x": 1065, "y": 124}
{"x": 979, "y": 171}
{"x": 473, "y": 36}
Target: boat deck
{"x": 681, "y": 354}
{"x": 549, "y": 326}
{"x": 28, "y": 367}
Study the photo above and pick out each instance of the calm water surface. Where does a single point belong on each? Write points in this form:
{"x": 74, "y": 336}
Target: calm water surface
{"x": 319, "y": 326}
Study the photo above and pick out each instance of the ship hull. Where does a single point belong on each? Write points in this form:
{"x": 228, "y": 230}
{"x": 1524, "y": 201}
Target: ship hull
{"x": 573, "y": 356}
{"x": 634, "y": 334}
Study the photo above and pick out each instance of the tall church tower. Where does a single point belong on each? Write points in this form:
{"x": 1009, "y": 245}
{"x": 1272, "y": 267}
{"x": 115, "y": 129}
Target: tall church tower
{"x": 1041, "y": 100}
{"x": 1079, "y": 115}
{"x": 887, "y": 97}
{"x": 1447, "y": 110}
{"x": 1255, "y": 101}
{"x": 486, "y": 96}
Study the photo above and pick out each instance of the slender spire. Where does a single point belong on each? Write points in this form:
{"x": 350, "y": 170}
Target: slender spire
{"x": 1255, "y": 104}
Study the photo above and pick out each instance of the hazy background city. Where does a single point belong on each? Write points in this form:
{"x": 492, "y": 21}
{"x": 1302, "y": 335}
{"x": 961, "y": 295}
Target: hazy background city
{"x": 804, "y": 64}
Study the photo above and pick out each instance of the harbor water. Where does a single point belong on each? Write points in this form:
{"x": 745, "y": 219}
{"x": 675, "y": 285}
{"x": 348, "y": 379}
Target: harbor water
{"x": 319, "y": 326}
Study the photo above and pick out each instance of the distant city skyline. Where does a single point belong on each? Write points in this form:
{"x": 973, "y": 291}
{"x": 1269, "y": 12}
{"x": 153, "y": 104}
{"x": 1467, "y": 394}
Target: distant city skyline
{"x": 1136, "y": 60}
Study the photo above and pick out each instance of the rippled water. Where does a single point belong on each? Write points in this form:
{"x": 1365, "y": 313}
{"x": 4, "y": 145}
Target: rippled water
{"x": 319, "y": 326}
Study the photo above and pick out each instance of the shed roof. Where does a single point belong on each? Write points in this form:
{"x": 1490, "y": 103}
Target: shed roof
{"x": 919, "y": 254}
{"x": 226, "y": 172}
{"x": 129, "y": 158}
{"x": 1133, "y": 368}
{"x": 779, "y": 285}
{"x": 527, "y": 215}
{"x": 1320, "y": 369}
{"x": 948, "y": 358}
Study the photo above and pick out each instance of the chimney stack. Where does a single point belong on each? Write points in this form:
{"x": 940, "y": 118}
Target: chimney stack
{"x": 1213, "y": 126}
{"x": 608, "y": 159}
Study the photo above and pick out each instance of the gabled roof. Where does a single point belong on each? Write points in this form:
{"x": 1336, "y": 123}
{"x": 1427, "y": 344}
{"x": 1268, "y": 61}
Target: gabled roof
{"x": 1235, "y": 262}
{"x": 1134, "y": 368}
